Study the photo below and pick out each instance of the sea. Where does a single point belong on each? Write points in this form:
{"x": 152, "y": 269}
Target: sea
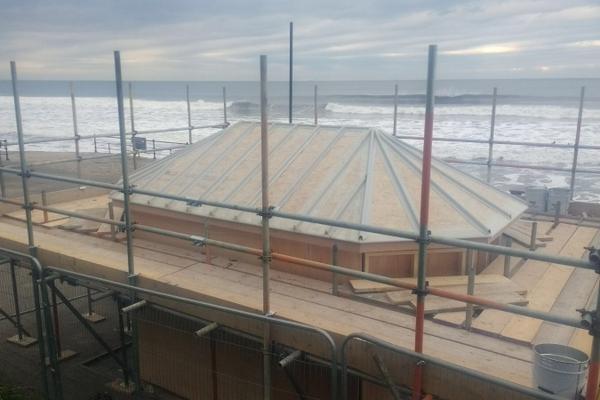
{"x": 532, "y": 110}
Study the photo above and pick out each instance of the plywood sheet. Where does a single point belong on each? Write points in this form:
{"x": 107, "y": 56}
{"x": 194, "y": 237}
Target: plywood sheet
{"x": 494, "y": 321}
{"x": 548, "y": 288}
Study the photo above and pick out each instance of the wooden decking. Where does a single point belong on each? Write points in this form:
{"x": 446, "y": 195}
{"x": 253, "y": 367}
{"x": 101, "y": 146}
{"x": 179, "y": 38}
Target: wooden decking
{"x": 499, "y": 344}
{"x": 549, "y": 287}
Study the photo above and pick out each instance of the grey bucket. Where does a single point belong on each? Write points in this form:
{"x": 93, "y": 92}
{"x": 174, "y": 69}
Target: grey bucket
{"x": 560, "y": 370}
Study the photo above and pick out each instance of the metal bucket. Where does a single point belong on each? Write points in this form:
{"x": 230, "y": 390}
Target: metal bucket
{"x": 560, "y": 370}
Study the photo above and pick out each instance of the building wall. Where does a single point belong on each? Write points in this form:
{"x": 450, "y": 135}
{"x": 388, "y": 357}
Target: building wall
{"x": 389, "y": 259}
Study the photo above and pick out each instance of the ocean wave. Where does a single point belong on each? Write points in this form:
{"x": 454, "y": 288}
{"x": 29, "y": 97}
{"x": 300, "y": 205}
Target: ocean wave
{"x": 210, "y": 105}
{"x": 467, "y": 99}
{"x": 520, "y": 111}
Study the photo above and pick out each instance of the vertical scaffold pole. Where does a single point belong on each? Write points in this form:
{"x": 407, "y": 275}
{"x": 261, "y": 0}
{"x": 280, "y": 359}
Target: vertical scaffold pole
{"x": 133, "y": 131}
{"x": 576, "y": 145}
{"x": 189, "y": 113}
{"x": 394, "y": 131}
{"x": 266, "y": 213}
{"x": 75, "y": 129}
{"x": 316, "y": 106}
{"x": 424, "y": 220}
{"x": 2, "y": 184}
{"x": 131, "y": 276}
{"x": 43, "y": 318}
{"x": 291, "y": 83}
{"x": 225, "y": 107}
{"x": 491, "y": 140}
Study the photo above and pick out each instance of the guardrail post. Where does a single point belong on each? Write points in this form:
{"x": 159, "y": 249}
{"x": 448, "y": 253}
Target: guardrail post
{"x": 470, "y": 287}
{"x": 533, "y": 238}
{"x": 2, "y": 183}
{"x": 45, "y": 203}
{"x": 490, "y": 159}
{"x": 189, "y": 113}
{"x": 127, "y": 216}
{"x": 22, "y": 338}
{"x": 225, "y": 107}
{"x": 395, "y": 129}
{"x": 75, "y": 129}
{"x": 507, "y": 243}
{"x": 334, "y": 281}
{"x": 133, "y": 131}
{"x": 111, "y": 215}
{"x": 316, "y": 106}
{"x": 424, "y": 220}
{"x": 576, "y": 145}
{"x": 291, "y": 79}
{"x": 266, "y": 211}
{"x": 123, "y": 341}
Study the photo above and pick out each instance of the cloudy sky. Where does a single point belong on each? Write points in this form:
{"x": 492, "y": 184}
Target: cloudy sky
{"x": 334, "y": 40}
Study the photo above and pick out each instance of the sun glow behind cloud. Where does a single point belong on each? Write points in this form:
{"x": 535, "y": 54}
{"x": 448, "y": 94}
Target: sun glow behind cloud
{"x": 486, "y": 49}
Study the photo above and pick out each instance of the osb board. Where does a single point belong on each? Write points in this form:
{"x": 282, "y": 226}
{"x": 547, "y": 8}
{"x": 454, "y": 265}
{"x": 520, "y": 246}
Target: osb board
{"x": 548, "y": 288}
{"x": 78, "y": 252}
{"x": 365, "y": 286}
{"x": 494, "y": 321}
{"x": 574, "y": 296}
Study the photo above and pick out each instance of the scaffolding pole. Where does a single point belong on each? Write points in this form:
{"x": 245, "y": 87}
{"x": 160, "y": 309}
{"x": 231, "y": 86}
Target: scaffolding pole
{"x": 126, "y": 189}
{"x": 395, "y": 131}
{"x": 75, "y": 129}
{"x": 225, "y": 123}
{"x": 291, "y": 79}
{"x": 576, "y": 145}
{"x": 189, "y": 112}
{"x": 492, "y": 129}
{"x": 39, "y": 288}
{"x": 316, "y": 106}
{"x": 265, "y": 216}
{"x": 424, "y": 221}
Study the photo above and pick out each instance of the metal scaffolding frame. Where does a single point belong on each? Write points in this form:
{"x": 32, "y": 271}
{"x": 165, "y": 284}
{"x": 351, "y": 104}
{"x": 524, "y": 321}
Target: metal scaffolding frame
{"x": 43, "y": 275}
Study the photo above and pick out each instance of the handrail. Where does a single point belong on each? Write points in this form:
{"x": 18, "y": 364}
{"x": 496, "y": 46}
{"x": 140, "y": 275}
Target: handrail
{"x": 537, "y": 394}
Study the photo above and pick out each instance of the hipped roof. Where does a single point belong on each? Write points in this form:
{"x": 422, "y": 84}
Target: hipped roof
{"x": 357, "y": 175}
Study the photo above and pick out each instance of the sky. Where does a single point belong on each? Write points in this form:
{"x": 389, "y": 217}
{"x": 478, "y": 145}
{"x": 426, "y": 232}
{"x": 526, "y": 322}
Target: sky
{"x": 333, "y": 40}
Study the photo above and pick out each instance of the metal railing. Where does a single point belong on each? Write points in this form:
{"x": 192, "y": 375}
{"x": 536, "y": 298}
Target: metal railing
{"x": 424, "y": 238}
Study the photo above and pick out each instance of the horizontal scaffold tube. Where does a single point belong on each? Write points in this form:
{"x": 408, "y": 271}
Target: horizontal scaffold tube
{"x": 502, "y": 142}
{"x": 112, "y": 135}
{"x": 550, "y": 317}
{"x": 533, "y": 393}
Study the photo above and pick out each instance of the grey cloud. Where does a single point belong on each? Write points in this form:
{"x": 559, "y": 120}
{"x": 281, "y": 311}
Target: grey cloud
{"x": 221, "y": 40}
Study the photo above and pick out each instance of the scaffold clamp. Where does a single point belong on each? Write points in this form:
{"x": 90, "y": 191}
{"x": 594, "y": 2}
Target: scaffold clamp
{"x": 589, "y": 321}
